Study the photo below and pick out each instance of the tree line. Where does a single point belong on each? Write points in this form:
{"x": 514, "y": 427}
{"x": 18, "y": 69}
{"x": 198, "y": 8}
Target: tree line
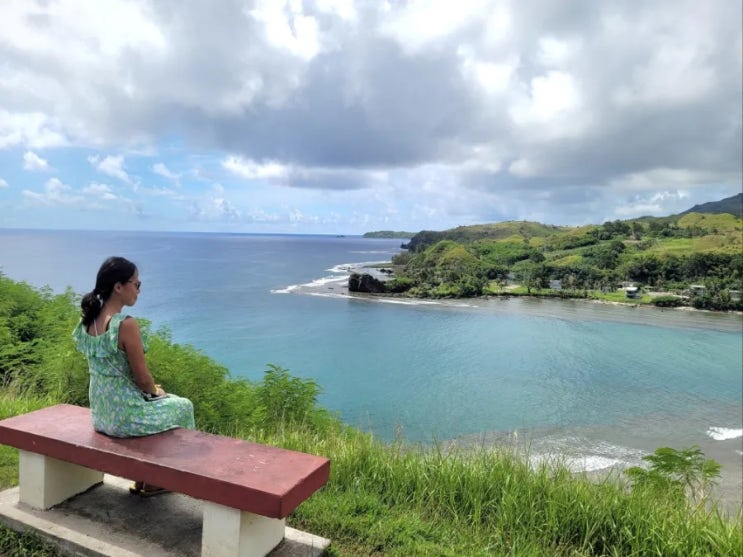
{"x": 655, "y": 253}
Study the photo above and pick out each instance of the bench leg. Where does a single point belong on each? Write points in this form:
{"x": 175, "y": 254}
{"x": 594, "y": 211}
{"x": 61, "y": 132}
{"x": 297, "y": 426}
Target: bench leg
{"x": 231, "y": 532}
{"x": 44, "y": 481}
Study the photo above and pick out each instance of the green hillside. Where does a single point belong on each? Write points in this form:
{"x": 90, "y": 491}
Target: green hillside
{"x": 501, "y": 230}
{"x": 388, "y": 234}
{"x": 655, "y": 253}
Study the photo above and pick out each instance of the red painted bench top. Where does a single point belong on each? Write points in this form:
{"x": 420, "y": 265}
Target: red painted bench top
{"x": 264, "y": 480}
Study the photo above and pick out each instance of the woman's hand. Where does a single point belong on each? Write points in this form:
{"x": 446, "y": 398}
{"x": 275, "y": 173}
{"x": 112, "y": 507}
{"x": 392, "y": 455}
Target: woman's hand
{"x": 159, "y": 391}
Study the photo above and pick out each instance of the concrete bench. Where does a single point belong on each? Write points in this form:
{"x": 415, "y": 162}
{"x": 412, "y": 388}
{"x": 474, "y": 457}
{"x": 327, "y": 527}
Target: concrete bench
{"x": 247, "y": 489}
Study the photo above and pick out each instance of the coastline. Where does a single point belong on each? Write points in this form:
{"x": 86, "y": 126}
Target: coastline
{"x": 595, "y": 458}
{"x": 336, "y": 286}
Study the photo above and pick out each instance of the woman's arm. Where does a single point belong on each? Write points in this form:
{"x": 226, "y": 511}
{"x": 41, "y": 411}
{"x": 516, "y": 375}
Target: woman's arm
{"x": 130, "y": 341}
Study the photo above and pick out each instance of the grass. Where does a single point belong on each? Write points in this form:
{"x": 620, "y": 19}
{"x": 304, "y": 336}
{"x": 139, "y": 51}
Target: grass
{"x": 15, "y": 544}
{"x": 723, "y": 243}
{"x": 620, "y": 297}
{"x": 407, "y": 500}
{"x": 382, "y": 499}
{"x": 616, "y": 296}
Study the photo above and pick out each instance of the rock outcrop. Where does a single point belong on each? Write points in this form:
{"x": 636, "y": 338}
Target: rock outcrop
{"x": 363, "y": 282}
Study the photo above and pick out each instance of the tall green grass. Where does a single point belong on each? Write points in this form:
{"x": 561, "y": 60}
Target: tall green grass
{"x": 395, "y": 499}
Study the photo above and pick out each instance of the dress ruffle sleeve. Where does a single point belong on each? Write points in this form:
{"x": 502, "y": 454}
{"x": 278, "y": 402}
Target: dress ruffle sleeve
{"x": 100, "y": 346}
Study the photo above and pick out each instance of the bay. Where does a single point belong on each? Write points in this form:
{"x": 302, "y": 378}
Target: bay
{"x": 598, "y": 384}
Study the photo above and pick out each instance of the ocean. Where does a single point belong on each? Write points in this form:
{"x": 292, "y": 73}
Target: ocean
{"x": 597, "y": 385}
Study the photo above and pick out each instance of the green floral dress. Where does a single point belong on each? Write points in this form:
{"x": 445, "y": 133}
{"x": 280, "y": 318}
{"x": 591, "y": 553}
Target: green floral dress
{"x": 116, "y": 403}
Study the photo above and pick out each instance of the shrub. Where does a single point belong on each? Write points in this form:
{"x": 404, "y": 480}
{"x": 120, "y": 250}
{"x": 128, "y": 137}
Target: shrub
{"x": 668, "y": 301}
{"x": 683, "y": 473}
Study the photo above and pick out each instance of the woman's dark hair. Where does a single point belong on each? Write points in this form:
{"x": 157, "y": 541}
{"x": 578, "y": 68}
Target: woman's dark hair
{"x": 112, "y": 271}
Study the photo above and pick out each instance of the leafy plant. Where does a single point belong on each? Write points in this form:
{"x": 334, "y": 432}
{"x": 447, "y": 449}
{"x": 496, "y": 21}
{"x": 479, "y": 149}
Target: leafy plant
{"x": 682, "y": 472}
{"x": 668, "y": 301}
{"x": 285, "y": 399}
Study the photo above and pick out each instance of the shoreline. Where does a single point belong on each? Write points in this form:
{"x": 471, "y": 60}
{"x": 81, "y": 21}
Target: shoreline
{"x": 729, "y": 492}
{"x": 336, "y": 286}
{"x": 594, "y": 457}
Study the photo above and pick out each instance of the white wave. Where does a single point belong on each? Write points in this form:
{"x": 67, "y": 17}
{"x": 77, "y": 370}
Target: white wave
{"x": 417, "y": 302}
{"x": 351, "y": 267}
{"x": 580, "y": 463}
{"x": 591, "y": 463}
{"x": 325, "y": 281}
{"x": 317, "y": 283}
{"x": 343, "y": 268}
{"x": 374, "y": 251}
{"x": 288, "y": 290}
{"x": 724, "y": 433}
{"x": 328, "y": 294}
{"x": 579, "y": 454}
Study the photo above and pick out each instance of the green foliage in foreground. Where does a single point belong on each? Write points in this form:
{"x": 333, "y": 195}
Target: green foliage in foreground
{"x": 382, "y": 499}
{"x": 14, "y": 544}
{"x": 683, "y": 474}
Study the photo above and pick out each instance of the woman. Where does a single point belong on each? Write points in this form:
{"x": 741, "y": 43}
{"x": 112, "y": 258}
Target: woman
{"x": 124, "y": 399}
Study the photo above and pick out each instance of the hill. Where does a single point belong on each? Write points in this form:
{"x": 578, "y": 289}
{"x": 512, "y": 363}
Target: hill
{"x": 495, "y": 231}
{"x": 661, "y": 253}
{"x": 732, "y": 205}
{"x": 388, "y": 234}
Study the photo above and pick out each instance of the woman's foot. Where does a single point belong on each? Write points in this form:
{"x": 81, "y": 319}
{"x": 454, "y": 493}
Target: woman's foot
{"x": 146, "y": 490}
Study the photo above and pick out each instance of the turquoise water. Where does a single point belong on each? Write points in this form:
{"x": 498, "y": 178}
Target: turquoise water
{"x": 601, "y": 384}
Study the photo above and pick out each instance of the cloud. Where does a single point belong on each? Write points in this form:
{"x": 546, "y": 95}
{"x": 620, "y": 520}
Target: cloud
{"x": 3, "y": 184}
{"x": 32, "y": 129}
{"x": 214, "y": 207}
{"x": 55, "y": 193}
{"x": 162, "y": 170}
{"x": 112, "y": 166}
{"x": 250, "y": 169}
{"x": 655, "y": 204}
{"x": 34, "y": 163}
{"x": 554, "y": 110}
{"x": 103, "y": 192}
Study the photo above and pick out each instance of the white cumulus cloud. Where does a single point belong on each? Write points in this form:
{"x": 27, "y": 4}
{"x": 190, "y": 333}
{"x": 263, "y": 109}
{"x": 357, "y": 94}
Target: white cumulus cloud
{"x": 55, "y": 193}
{"x": 112, "y": 166}
{"x": 33, "y": 162}
{"x": 162, "y": 170}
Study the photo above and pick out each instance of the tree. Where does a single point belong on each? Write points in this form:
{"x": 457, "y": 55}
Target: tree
{"x": 681, "y": 472}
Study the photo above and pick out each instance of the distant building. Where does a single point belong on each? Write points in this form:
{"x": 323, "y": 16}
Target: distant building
{"x": 734, "y": 295}
{"x": 556, "y": 284}
{"x": 632, "y": 291}
{"x": 697, "y": 290}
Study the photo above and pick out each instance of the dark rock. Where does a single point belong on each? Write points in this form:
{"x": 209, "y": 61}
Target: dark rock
{"x": 362, "y": 282}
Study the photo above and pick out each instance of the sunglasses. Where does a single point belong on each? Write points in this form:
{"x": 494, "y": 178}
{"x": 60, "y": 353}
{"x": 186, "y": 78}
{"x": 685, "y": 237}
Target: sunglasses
{"x": 137, "y": 283}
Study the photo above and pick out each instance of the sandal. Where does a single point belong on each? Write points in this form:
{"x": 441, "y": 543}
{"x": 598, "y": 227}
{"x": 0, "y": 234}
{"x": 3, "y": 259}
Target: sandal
{"x": 146, "y": 490}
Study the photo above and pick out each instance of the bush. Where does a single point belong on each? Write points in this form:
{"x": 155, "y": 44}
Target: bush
{"x": 286, "y": 400}
{"x": 400, "y": 284}
{"x": 668, "y": 301}
{"x": 681, "y": 473}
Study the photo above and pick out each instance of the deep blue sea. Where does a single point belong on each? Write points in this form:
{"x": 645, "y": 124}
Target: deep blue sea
{"x": 598, "y": 384}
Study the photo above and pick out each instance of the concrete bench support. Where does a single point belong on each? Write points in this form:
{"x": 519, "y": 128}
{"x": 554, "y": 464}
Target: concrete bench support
{"x": 229, "y": 532}
{"x": 44, "y": 481}
{"x": 248, "y": 489}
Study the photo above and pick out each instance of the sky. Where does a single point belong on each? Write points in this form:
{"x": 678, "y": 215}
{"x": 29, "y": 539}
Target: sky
{"x": 343, "y": 116}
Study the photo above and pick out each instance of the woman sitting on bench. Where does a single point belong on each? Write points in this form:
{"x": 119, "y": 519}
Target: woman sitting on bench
{"x": 124, "y": 399}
